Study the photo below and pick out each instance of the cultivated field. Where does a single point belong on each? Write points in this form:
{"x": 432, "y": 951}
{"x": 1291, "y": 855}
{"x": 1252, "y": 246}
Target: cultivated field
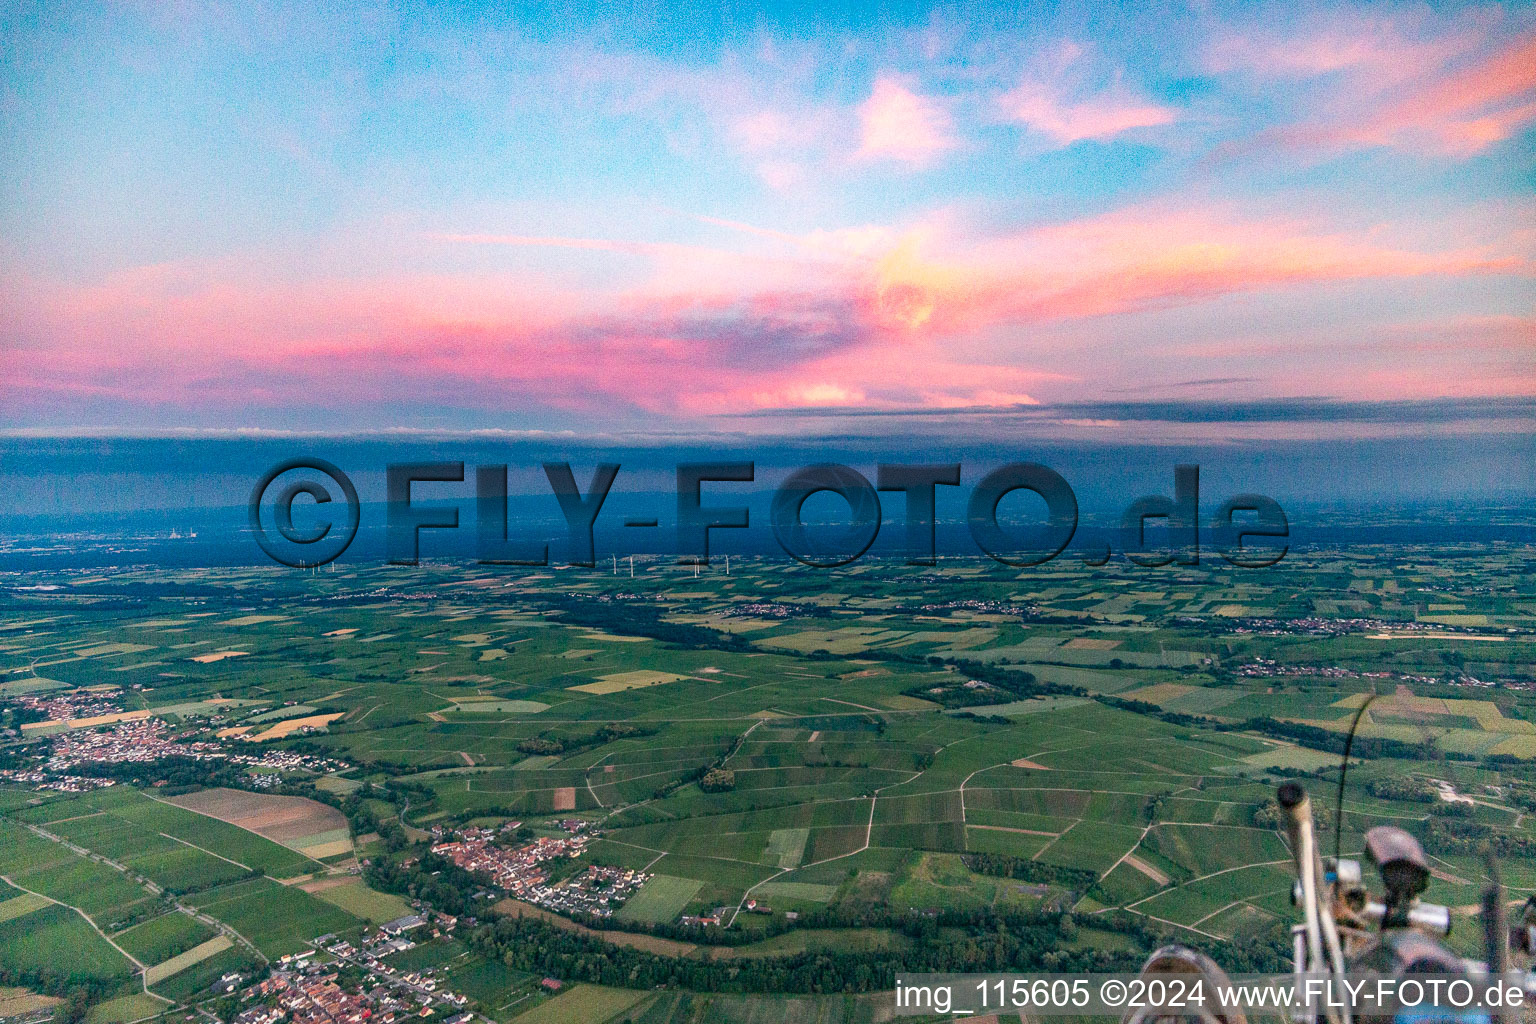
{"x": 312, "y": 828}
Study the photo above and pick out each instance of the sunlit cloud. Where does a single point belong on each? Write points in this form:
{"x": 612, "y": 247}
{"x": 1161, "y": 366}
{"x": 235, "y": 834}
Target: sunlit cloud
{"x": 1390, "y": 82}
{"x": 1097, "y": 117}
{"x": 899, "y": 124}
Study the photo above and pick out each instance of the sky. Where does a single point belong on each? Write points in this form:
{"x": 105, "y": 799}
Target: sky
{"x": 1221, "y": 221}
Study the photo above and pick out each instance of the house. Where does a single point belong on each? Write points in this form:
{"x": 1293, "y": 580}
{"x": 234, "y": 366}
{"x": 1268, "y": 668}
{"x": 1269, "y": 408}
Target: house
{"x": 551, "y": 985}
{"x": 402, "y": 924}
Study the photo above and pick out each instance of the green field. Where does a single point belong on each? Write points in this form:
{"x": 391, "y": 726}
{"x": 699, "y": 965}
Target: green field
{"x": 800, "y": 892}
{"x": 661, "y": 898}
{"x": 788, "y": 846}
{"x": 135, "y": 1006}
{"x": 53, "y": 871}
{"x": 583, "y": 1003}
{"x": 20, "y": 906}
{"x": 277, "y": 919}
{"x": 56, "y": 941}
{"x": 368, "y": 904}
{"x": 161, "y": 938}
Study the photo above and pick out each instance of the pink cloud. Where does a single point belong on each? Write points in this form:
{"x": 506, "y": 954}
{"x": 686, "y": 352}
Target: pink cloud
{"x": 1467, "y": 110}
{"x": 1135, "y": 260}
{"x": 1378, "y": 83}
{"x": 1071, "y": 94}
{"x": 1104, "y": 116}
{"x": 899, "y": 124}
{"x": 1377, "y": 47}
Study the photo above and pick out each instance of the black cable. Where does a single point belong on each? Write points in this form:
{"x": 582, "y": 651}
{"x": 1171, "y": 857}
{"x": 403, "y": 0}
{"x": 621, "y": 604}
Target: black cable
{"x": 1338, "y": 809}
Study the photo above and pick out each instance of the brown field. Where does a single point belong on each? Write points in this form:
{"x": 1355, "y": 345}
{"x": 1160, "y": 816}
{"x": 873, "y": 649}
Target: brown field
{"x": 1147, "y": 869}
{"x": 218, "y": 656}
{"x": 17, "y": 1002}
{"x": 291, "y": 725}
{"x": 617, "y": 682}
{"x": 1446, "y": 876}
{"x": 86, "y": 723}
{"x": 565, "y": 798}
{"x": 649, "y": 943}
{"x": 282, "y": 819}
{"x": 1025, "y": 762}
{"x": 1431, "y": 635}
{"x": 1088, "y": 643}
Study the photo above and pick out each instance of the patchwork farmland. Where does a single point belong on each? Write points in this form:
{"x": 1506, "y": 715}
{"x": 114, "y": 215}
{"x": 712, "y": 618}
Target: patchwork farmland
{"x": 874, "y": 764}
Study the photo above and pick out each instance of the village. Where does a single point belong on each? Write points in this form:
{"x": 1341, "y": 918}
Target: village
{"x": 522, "y": 873}
{"x": 141, "y": 739}
{"x": 304, "y": 988}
